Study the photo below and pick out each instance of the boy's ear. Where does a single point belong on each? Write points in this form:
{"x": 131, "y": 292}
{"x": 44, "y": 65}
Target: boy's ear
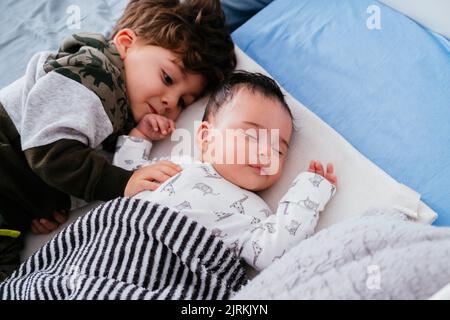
{"x": 123, "y": 40}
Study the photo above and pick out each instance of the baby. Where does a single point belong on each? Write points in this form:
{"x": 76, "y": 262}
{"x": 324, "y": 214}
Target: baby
{"x": 219, "y": 193}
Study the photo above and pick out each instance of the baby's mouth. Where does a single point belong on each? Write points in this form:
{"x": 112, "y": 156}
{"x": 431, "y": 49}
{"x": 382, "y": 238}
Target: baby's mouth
{"x": 256, "y": 168}
{"x": 260, "y": 170}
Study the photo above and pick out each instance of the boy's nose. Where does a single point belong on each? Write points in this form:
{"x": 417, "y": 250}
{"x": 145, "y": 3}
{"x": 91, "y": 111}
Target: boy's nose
{"x": 169, "y": 101}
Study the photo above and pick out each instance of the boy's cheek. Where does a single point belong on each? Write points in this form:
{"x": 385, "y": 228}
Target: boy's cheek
{"x": 175, "y": 115}
{"x": 137, "y": 112}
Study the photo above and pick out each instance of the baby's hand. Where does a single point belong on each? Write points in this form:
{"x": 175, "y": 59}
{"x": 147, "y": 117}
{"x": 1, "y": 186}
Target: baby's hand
{"x": 150, "y": 177}
{"x": 153, "y": 127}
{"x": 316, "y": 167}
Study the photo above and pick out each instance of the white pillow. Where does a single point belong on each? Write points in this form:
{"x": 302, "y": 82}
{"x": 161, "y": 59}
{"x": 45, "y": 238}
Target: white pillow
{"x": 361, "y": 184}
{"x": 433, "y": 14}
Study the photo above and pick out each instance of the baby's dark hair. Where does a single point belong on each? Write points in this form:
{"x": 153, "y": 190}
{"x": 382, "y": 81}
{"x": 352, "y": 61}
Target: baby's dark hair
{"x": 256, "y": 82}
{"x": 193, "y": 29}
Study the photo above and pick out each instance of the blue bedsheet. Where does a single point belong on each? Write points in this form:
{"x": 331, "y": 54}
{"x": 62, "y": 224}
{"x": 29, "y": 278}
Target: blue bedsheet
{"x": 387, "y": 90}
{"x": 28, "y": 26}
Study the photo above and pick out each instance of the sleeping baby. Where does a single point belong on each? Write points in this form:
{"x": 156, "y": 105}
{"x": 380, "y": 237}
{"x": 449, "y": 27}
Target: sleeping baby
{"x": 243, "y": 143}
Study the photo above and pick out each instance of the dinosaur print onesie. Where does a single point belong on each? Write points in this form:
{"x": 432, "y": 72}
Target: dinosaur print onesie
{"x": 239, "y": 217}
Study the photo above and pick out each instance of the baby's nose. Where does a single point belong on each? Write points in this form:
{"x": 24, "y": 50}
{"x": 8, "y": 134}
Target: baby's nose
{"x": 264, "y": 159}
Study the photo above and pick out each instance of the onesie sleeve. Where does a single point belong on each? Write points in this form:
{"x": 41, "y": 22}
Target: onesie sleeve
{"x": 295, "y": 220}
{"x": 131, "y": 152}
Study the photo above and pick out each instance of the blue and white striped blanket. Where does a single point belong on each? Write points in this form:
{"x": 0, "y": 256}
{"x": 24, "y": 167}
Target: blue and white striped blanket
{"x": 129, "y": 249}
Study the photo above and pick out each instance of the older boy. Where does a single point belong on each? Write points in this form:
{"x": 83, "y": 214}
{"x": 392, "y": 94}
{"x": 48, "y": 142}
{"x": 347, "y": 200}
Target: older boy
{"x": 162, "y": 56}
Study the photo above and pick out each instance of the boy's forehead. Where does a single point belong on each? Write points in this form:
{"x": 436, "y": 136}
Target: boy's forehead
{"x": 178, "y": 63}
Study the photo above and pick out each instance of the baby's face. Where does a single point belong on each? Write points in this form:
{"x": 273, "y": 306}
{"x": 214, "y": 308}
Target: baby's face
{"x": 156, "y": 81}
{"x": 248, "y": 140}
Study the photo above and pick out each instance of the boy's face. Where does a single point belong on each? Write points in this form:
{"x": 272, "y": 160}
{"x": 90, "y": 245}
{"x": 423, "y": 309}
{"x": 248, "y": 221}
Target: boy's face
{"x": 156, "y": 82}
{"x": 247, "y": 140}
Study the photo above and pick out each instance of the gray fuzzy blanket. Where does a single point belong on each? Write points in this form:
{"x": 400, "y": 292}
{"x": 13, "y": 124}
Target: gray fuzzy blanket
{"x": 380, "y": 255}
{"x": 129, "y": 249}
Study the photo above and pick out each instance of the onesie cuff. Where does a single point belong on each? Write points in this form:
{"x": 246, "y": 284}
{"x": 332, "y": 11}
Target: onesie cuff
{"x": 310, "y": 190}
{"x": 131, "y": 152}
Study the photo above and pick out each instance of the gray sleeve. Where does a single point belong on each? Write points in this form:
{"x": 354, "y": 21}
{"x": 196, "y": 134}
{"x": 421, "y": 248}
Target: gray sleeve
{"x": 62, "y": 124}
{"x": 58, "y": 108}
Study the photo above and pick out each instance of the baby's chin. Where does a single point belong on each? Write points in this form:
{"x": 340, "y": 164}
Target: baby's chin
{"x": 254, "y": 182}
{"x": 245, "y": 178}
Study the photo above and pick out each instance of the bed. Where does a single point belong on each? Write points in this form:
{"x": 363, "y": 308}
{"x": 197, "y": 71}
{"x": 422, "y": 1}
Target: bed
{"x": 355, "y": 100}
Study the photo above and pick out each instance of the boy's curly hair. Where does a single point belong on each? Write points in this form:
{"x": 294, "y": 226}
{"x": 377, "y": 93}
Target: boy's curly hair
{"x": 192, "y": 29}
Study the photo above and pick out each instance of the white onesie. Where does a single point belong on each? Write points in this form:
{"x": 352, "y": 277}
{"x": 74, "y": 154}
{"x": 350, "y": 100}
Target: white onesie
{"x": 239, "y": 217}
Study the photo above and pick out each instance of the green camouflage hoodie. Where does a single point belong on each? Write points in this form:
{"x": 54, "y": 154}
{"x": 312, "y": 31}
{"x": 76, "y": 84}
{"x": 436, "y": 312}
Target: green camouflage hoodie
{"x": 66, "y": 107}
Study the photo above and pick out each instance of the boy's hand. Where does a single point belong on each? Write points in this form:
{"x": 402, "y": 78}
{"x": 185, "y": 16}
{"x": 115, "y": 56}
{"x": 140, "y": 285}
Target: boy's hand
{"x": 153, "y": 127}
{"x": 45, "y": 226}
{"x": 316, "y": 167}
{"x": 150, "y": 177}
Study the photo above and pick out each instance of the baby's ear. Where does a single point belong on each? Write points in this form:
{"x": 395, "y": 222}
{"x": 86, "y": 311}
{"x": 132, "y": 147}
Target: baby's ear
{"x": 203, "y": 134}
{"x": 123, "y": 41}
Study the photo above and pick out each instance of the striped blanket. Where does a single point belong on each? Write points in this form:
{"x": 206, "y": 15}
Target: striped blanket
{"x": 129, "y": 249}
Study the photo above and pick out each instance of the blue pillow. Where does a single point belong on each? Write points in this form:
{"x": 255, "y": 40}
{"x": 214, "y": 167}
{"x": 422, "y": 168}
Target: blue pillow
{"x": 239, "y": 11}
{"x": 386, "y": 90}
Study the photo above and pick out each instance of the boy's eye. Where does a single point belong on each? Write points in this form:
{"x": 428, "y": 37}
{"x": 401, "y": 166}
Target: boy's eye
{"x": 167, "y": 79}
